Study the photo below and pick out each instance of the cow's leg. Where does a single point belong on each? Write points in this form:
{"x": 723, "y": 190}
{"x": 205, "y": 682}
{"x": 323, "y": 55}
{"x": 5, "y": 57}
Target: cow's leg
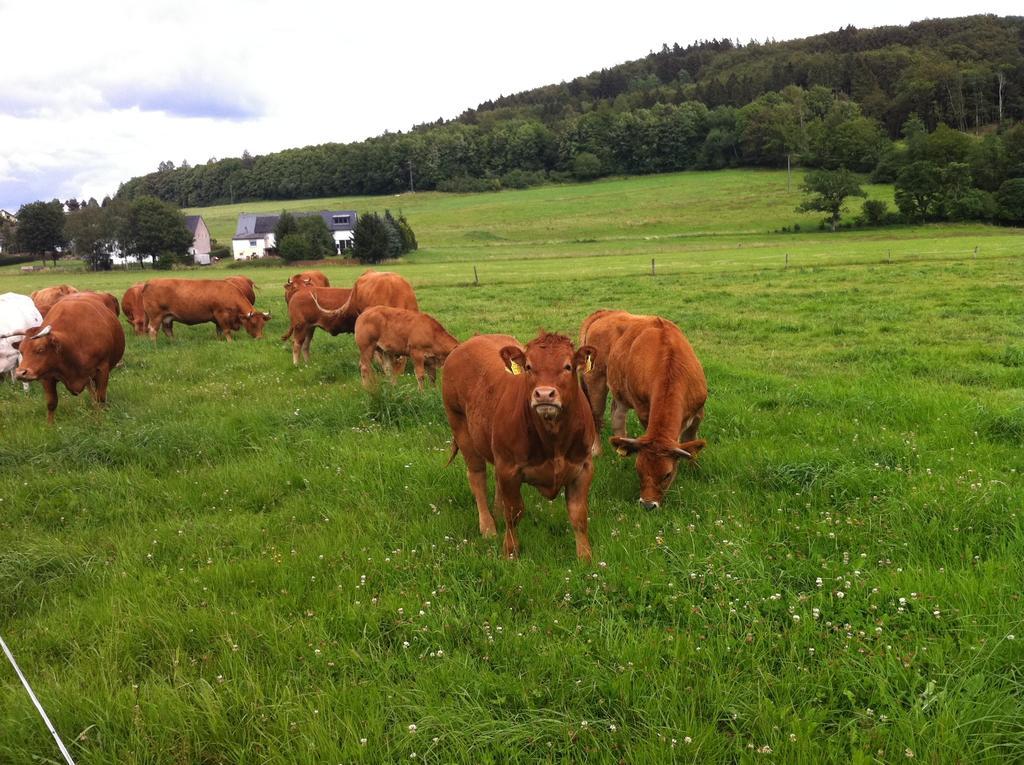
{"x": 310, "y": 331}
{"x": 418, "y": 365}
{"x": 577, "y": 503}
{"x": 154, "y": 327}
{"x": 690, "y": 431}
{"x": 100, "y": 380}
{"x": 432, "y": 370}
{"x": 509, "y": 496}
{"x": 597, "y": 388}
{"x": 298, "y": 335}
{"x": 396, "y": 367}
{"x": 168, "y": 325}
{"x": 366, "y": 373}
{"x": 50, "y": 388}
{"x": 619, "y": 412}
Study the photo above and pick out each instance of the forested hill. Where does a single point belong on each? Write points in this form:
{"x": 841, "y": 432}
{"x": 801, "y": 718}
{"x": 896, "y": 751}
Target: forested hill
{"x": 945, "y": 70}
{"x": 837, "y": 99}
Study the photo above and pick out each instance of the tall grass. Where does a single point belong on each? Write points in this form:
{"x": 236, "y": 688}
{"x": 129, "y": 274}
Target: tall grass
{"x": 239, "y": 560}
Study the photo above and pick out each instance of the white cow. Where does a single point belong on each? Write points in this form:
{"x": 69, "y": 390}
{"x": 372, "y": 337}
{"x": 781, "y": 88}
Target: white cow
{"x": 17, "y": 313}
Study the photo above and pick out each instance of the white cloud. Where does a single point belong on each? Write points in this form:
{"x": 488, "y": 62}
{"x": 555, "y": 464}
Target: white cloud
{"x": 92, "y": 94}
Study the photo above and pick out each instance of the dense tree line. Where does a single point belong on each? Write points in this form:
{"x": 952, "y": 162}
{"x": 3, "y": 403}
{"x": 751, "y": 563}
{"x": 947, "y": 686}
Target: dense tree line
{"x": 835, "y": 100}
{"x": 140, "y": 228}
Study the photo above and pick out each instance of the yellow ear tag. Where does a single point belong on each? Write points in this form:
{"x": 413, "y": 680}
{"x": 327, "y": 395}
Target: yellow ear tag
{"x": 590, "y": 364}
{"x": 514, "y": 368}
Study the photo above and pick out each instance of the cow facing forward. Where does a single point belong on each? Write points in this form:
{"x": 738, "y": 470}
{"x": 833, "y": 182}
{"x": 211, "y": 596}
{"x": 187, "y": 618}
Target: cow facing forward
{"x": 524, "y": 411}
{"x": 79, "y": 343}
{"x": 196, "y": 301}
{"x": 398, "y": 334}
{"x": 304, "y": 280}
{"x": 649, "y": 366}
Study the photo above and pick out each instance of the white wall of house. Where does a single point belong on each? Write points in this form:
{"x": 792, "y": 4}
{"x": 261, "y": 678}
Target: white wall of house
{"x": 256, "y": 247}
{"x": 343, "y": 239}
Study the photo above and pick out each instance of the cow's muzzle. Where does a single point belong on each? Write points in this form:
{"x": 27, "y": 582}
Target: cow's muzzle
{"x": 649, "y": 504}
{"x": 546, "y": 402}
{"x": 24, "y": 375}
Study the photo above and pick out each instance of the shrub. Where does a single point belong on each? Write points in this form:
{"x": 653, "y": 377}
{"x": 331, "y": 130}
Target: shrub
{"x": 1010, "y": 199}
{"x": 467, "y": 185}
{"x": 318, "y": 237}
{"x": 294, "y": 247}
{"x": 522, "y": 179}
{"x": 875, "y": 212}
{"x": 586, "y": 166}
{"x": 371, "y": 241}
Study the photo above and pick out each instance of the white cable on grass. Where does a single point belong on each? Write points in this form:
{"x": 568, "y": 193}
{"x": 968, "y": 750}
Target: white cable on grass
{"x": 39, "y": 707}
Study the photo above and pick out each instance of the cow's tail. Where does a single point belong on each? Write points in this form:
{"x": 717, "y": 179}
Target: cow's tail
{"x": 288, "y": 334}
{"x": 455, "y": 451}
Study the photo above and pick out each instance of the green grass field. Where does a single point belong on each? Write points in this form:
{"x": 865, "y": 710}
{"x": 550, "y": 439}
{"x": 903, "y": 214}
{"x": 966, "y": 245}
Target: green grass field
{"x": 243, "y": 561}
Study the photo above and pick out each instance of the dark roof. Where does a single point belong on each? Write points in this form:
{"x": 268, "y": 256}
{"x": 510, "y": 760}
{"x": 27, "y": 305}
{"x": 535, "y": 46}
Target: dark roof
{"x": 192, "y": 223}
{"x": 251, "y": 224}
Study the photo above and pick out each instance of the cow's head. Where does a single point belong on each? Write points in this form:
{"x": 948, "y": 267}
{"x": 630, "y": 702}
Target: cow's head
{"x": 253, "y": 322}
{"x": 40, "y": 352}
{"x": 656, "y": 464}
{"x": 549, "y": 364}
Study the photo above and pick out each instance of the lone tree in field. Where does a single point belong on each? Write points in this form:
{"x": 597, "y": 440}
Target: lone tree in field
{"x": 829, "y": 190}
{"x": 41, "y": 228}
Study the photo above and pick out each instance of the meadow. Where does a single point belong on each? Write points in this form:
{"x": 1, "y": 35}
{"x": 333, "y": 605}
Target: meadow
{"x": 239, "y": 560}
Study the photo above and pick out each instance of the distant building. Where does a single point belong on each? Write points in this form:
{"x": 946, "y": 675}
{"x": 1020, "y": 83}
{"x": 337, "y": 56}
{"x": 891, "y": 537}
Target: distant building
{"x": 200, "y": 249}
{"x": 254, "y": 234}
{"x": 8, "y": 216}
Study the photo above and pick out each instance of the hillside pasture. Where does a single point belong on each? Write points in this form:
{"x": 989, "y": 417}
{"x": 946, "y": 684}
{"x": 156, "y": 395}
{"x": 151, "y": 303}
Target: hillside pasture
{"x": 239, "y": 560}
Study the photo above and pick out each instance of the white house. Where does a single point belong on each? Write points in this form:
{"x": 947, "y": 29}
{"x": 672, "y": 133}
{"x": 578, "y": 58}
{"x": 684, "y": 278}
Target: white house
{"x": 254, "y": 234}
{"x": 200, "y": 249}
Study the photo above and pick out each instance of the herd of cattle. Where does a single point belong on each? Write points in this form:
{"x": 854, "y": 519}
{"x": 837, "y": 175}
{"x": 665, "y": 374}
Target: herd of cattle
{"x": 533, "y": 411}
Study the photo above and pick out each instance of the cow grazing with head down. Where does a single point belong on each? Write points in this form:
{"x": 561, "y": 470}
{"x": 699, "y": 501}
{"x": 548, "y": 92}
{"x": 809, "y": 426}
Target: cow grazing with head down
{"x": 17, "y": 314}
{"x": 306, "y": 313}
{"x": 649, "y": 366}
{"x": 304, "y": 280}
{"x": 523, "y": 410}
{"x": 195, "y": 301}
{"x": 131, "y": 306}
{"x": 396, "y": 334}
{"x": 47, "y": 297}
{"x": 78, "y": 344}
{"x": 245, "y": 285}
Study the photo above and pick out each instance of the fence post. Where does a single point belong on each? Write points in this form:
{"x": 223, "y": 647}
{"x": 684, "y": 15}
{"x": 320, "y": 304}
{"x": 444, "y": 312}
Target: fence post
{"x": 787, "y": 260}
{"x": 975, "y": 252}
{"x": 476, "y": 279}
{"x": 653, "y": 273}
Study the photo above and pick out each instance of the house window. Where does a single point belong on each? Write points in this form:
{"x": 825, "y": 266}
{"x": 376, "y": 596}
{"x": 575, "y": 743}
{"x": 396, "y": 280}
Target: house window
{"x": 340, "y": 220}
{"x": 252, "y": 242}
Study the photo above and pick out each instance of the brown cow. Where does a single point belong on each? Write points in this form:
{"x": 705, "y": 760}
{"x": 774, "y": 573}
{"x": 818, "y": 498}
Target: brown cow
{"x": 48, "y": 296}
{"x": 195, "y": 301}
{"x": 78, "y": 344}
{"x": 303, "y": 280}
{"x": 245, "y": 285}
{"x": 649, "y": 366}
{"x": 524, "y": 411}
{"x": 380, "y": 288}
{"x": 105, "y": 298}
{"x": 305, "y": 314}
{"x": 397, "y": 333}
{"x": 131, "y": 305}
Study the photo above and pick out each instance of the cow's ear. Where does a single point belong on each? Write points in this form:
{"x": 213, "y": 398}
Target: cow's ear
{"x": 585, "y": 357}
{"x": 16, "y": 344}
{"x": 625, "y": 446}
{"x": 690, "y": 449}
{"x": 514, "y": 359}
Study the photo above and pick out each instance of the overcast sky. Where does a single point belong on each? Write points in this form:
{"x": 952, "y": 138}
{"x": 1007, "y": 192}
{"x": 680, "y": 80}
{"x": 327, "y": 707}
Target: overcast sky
{"x": 92, "y": 94}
